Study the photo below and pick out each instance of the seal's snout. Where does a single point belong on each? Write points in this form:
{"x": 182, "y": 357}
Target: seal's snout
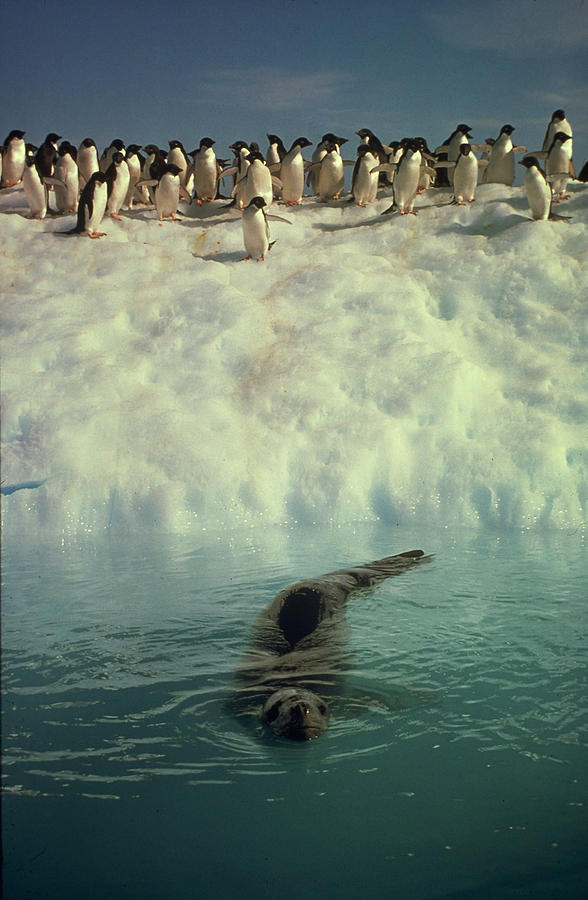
{"x": 297, "y": 714}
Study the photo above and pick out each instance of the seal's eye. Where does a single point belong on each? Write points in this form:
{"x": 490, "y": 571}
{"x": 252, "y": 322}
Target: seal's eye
{"x": 272, "y": 713}
{"x": 323, "y": 709}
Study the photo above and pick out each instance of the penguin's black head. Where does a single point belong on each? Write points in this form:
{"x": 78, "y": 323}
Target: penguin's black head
{"x": 237, "y": 146}
{"x": 118, "y": 158}
{"x": 118, "y": 144}
{"x": 464, "y": 149}
{"x": 258, "y": 202}
{"x": 363, "y": 149}
{"x": 152, "y": 148}
{"x": 465, "y": 129}
{"x": 273, "y": 139}
{"x": 529, "y": 161}
{"x": 88, "y": 142}
{"x": 333, "y": 139}
{"x": 561, "y": 136}
{"x": 132, "y": 149}
{"x": 206, "y": 142}
{"x": 507, "y": 129}
{"x": 31, "y": 149}
{"x": 558, "y": 115}
{"x": 52, "y": 138}
{"x": 331, "y": 146}
{"x": 98, "y": 178}
{"x": 66, "y": 147}
{"x": 255, "y": 155}
{"x": 301, "y": 142}
{"x": 364, "y": 133}
{"x": 15, "y": 135}
{"x": 171, "y": 169}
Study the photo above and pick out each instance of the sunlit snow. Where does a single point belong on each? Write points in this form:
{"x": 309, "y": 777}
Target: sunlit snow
{"x": 427, "y": 368}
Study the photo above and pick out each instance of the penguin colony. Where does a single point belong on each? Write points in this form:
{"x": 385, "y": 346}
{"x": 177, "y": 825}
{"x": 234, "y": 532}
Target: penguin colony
{"x": 59, "y": 178}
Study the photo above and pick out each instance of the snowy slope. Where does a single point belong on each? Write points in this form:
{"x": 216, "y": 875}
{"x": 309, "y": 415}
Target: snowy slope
{"x": 428, "y": 367}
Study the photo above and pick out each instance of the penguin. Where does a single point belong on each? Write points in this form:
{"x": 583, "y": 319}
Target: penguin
{"x": 318, "y": 154}
{"x": 501, "y": 161}
{"x": 134, "y": 162}
{"x": 168, "y": 189}
{"x": 394, "y": 156}
{"x": 91, "y": 206}
{"x": 66, "y": 170}
{"x": 238, "y": 170}
{"x": 276, "y": 150}
{"x": 292, "y": 172}
{"x": 87, "y": 160}
{"x": 557, "y": 123}
{"x": 274, "y": 156}
{"x": 206, "y": 171}
{"x": 178, "y": 156}
{"x": 116, "y": 146}
{"x": 406, "y": 179}
{"x": 254, "y": 221}
{"x": 538, "y": 190}
{"x": 259, "y": 181}
{"x": 35, "y": 190}
{"x": 119, "y": 180}
{"x": 152, "y": 169}
{"x": 13, "y": 159}
{"x": 331, "y": 175}
{"x": 450, "y": 149}
{"x": 46, "y": 155}
{"x": 465, "y": 175}
{"x": 558, "y": 165}
{"x": 364, "y": 181}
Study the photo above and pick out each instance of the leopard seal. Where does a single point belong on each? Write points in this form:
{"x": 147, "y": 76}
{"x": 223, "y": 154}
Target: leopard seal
{"x": 297, "y": 653}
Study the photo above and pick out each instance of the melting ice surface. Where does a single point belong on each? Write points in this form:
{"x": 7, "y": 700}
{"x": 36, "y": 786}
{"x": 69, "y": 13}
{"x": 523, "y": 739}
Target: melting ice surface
{"x": 427, "y": 368}
{"x": 183, "y": 435}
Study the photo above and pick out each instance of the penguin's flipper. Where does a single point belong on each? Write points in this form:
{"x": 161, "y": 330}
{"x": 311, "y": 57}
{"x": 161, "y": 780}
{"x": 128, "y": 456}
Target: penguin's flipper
{"x": 481, "y": 148}
{"x": 148, "y": 182}
{"x": 384, "y": 167}
{"x": 520, "y": 149}
{"x": 482, "y": 163}
{"x": 349, "y": 162}
{"x": 276, "y": 183}
{"x": 185, "y": 194}
{"x": 277, "y": 218}
{"x": 428, "y": 171}
{"x": 229, "y": 171}
{"x": 275, "y": 167}
{"x": 442, "y": 149}
{"x": 540, "y": 154}
{"x": 555, "y": 217}
{"x": 51, "y": 179}
{"x": 555, "y": 175}
{"x": 444, "y": 164}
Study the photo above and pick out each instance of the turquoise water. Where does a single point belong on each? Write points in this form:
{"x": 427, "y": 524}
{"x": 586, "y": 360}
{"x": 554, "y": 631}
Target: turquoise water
{"x": 126, "y": 774}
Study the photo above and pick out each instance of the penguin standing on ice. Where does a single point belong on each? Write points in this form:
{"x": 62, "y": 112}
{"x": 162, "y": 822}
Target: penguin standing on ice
{"x": 87, "y": 159}
{"x": 501, "y": 160}
{"x": 178, "y": 156}
{"x": 406, "y": 178}
{"x": 134, "y": 162}
{"x": 66, "y": 170}
{"x": 559, "y": 123}
{"x": 256, "y": 235}
{"x": 13, "y": 159}
{"x": 558, "y": 165}
{"x": 259, "y": 181}
{"x": 119, "y": 179}
{"x": 318, "y": 154}
{"x": 330, "y": 173}
{"x": 116, "y": 146}
{"x": 364, "y": 181}
{"x": 274, "y": 156}
{"x": 450, "y": 149}
{"x": 168, "y": 189}
{"x": 292, "y": 172}
{"x": 92, "y": 206}
{"x": 34, "y": 189}
{"x": 206, "y": 171}
{"x": 465, "y": 174}
{"x": 152, "y": 169}
{"x": 538, "y": 190}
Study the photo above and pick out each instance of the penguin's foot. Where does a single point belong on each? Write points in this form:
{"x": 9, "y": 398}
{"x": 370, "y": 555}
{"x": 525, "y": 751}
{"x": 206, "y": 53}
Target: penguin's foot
{"x": 115, "y": 216}
{"x": 260, "y": 259}
{"x": 96, "y": 234}
{"x": 245, "y": 258}
{"x": 292, "y": 202}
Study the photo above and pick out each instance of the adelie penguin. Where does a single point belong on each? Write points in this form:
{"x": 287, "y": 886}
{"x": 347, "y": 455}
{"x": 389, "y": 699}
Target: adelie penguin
{"x": 87, "y": 160}
{"x": 91, "y": 206}
{"x": 538, "y": 190}
{"x": 450, "y": 148}
{"x": 465, "y": 174}
{"x": 178, "y": 156}
{"x": 256, "y": 235}
{"x": 13, "y": 159}
{"x": 364, "y": 182}
{"x": 330, "y": 173}
{"x": 206, "y": 171}
{"x": 559, "y": 123}
{"x": 299, "y": 647}
{"x": 66, "y": 171}
{"x": 168, "y": 189}
{"x": 318, "y": 155}
{"x": 119, "y": 179}
{"x": 292, "y": 172}
{"x": 501, "y": 159}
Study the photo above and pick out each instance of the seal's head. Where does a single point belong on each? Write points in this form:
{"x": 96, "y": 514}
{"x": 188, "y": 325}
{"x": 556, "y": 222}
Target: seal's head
{"x": 296, "y": 713}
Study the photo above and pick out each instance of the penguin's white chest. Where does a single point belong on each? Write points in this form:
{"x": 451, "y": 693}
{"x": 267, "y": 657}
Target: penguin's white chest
{"x": 100, "y": 197}
{"x": 406, "y": 182}
{"x": 330, "y": 180}
{"x": 205, "y": 174}
{"x": 538, "y": 194}
{"x": 465, "y": 178}
{"x": 365, "y": 183}
{"x": 13, "y": 162}
{"x": 35, "y": 192}
{"x": 292, "y": 178}
{"x": 259, "y": 183}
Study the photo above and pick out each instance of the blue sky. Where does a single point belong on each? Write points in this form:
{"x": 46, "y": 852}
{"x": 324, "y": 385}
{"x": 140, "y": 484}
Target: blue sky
{"x": 152, "y": 71}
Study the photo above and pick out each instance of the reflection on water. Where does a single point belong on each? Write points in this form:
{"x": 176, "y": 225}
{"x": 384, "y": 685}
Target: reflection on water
{"x": 118, "y": 666}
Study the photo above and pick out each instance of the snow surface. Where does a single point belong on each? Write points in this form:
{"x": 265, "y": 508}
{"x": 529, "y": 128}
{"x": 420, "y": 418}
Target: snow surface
{"x": 428, "y": 368}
